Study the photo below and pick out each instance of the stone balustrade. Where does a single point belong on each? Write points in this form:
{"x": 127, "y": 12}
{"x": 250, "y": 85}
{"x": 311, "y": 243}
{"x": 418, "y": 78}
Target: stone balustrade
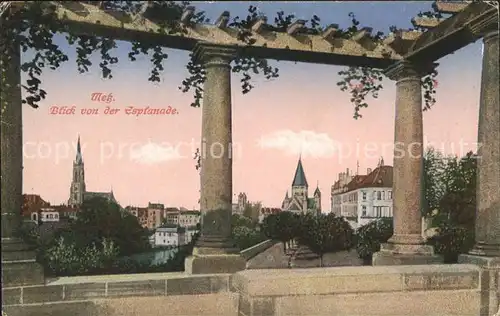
{"x": 391, "y": 290}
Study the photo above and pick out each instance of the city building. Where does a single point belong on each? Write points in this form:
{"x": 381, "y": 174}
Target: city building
{"x": 155, "y": 215}
{"x": 172, "y": 236}
{"x": 171, "y": 215}
{"x": 188, "y": 218}
{"x": 78, "y": 190}
{"x": 32, "y": 203}
{"x": 37, "y": 209}
{"x": 242, "y": 203}
{"x": 46, "y": 214}
{"x": 361, "y": 199}
{"x": 190, "y": 232}
{"x": 299, "y": 201}
{"x": 266, "y": 211}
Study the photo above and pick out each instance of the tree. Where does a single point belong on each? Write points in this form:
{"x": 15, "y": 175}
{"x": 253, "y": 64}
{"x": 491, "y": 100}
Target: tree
{"x": 252, "y": 211}
{"x": 241, "y": 221}
{"x": 327, "y": 233}
{"x": 101, "y": 219}
{"x": 270, "y": 226}
{"x": 434, "y": 180}
{"x": 457, "y": 207}
{"x": 281, "y": 226}
{"x": 369, "y": 237}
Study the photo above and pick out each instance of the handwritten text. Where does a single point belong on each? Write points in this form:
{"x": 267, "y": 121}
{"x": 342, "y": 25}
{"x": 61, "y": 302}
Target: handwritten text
{"x": 108, "y": 110}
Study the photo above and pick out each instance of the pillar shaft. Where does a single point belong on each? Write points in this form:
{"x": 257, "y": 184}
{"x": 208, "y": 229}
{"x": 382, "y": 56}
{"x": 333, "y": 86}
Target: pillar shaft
{"x": 19, "y": 266}
{"x": 407, "y": 245}
{"x": 214, "y": 251}
{"x": 216, "y": 151}
{"x": 11, "y": 142}
{"x": 408, "y": 155}
{"x": 487, "y": 226}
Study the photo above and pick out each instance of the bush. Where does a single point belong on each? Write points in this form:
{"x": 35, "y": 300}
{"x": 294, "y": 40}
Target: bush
{"x": 451, "y": 241}
{"x": 245, "y": 237}
{"x": 370, "y": 236}
{"x": 65, "y": 259}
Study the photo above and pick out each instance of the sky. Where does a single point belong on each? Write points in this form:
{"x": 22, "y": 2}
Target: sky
{"x": 303, "y": 112}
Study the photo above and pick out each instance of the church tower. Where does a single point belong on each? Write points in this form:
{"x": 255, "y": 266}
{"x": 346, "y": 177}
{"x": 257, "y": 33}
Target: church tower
{"x": 317, "y": 199}
{"x": 300, "y": 186}
{"x": 77, "y": 190}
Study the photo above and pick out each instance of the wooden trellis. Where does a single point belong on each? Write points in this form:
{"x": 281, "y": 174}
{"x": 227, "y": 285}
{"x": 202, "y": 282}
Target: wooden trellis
{"x": 441, "y": 37}
{"x": 466, "y": 23}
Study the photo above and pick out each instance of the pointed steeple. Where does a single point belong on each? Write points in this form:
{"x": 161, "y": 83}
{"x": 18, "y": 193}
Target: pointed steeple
{"x": 79, "y": 158}
{"x": 317, "y": 192}
{"x": 300, "y": 178}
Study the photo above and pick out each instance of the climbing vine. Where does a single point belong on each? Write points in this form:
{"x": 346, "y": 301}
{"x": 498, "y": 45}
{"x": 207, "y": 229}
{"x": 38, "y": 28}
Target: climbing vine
{"x": 33, "y": 27}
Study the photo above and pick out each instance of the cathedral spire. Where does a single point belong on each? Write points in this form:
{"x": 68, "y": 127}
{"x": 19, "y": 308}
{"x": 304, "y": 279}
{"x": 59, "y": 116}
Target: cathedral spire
{"x": 79, "y": 158}
{"x": 300, "y": 178}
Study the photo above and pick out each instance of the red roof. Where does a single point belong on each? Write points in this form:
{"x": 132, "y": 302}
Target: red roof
{"x": 32, "y": 203}
{"x": 380, "y": 177}
{"x": 269, "y": 210}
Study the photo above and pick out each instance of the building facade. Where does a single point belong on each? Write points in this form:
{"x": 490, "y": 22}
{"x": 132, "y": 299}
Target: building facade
{"x": 155, "y": 215}
{"x": 361, "y": 199}
{"x": 188, "y": 218}
{"x": 299, "y": 201}
{"x": 173, "y": 236}
{"x": 78, "y": 190}
{"x": 37, "y": 209}
{"x": 242, "y": 203}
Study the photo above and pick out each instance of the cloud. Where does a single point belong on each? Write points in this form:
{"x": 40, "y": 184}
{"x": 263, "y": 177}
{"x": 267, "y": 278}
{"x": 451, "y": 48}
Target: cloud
{"x": 152, "y": 153}
{"x": 306, "y": 143}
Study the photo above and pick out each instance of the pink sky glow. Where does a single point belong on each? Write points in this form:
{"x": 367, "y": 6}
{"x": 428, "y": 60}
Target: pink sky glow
{"x": 149, "y": 158}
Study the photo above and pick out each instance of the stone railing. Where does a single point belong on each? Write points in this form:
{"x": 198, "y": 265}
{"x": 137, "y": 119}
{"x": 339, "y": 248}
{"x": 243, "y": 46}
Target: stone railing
{"x": 251, "y": 252}
{"x": 433, "y": 290}
{"x": 371, "y": 291}
{"x": 122, "y": 295}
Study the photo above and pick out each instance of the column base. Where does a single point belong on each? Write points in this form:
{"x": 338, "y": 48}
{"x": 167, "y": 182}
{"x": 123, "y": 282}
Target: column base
{"x": 391, "y": 254}
{"x": 214, "y": 260}
{"x": 490, "y": 281}
{"x": 485, "y": 250}
{"x": 19, "y": 266}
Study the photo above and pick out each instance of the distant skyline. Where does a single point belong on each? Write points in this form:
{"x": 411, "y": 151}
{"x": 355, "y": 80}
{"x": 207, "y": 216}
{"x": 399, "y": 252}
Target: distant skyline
{"x": 149, "y": 158}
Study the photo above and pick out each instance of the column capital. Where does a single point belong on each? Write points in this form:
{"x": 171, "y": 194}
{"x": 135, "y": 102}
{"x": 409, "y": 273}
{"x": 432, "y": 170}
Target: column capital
{"x": 482, "y": 27}
{"x": 490, "y": 36}
{"x": 405, "y": 69}
{"x": 213, "y": 55}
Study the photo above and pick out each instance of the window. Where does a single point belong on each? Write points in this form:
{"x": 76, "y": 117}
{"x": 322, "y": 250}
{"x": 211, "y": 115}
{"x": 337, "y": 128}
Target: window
{"x": 364, "y": 196}
{"x": 389, "y": 193}
{"x": 379, "y": 196}
{"x": 378, "y": 211}
{"x": 383, "y": 195}
{"x": 363, "y": 213}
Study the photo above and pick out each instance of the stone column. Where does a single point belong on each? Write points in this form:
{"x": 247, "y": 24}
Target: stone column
{"x": 18, "y": 261}
{"x": 486, "y": 252}
{"x": 406, "y": 246}
{"x": 214, "y": 252}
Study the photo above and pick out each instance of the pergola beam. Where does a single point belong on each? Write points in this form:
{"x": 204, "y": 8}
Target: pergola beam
{"x": 449, "y": 7}
{"x": 425, "y": 22}
{"x": 455, "y": 32}
{"x": 301, "y": 47}
{"x": 401, "y": 40}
